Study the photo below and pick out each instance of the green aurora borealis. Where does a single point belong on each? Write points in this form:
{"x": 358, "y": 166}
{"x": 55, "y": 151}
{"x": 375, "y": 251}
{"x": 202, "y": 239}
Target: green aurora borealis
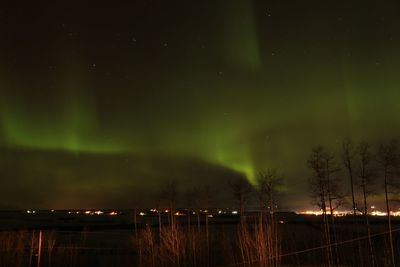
{"x": 115, "y": 100}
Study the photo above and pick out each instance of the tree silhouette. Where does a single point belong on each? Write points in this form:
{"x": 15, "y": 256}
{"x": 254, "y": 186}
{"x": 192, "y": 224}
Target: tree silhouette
{"x": 325, "y": 192}
{"x": 365, "y": 174}
{"x": 241, "y": 190}
{"x": 348, "y": 158}
{"x": 388, "y": 160}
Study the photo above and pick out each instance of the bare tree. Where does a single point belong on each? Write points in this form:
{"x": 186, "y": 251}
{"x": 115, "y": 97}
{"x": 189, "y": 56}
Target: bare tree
{"x": 241, "y": 190}
{"x": 388, "y": 160}
{"x": 317, "y": 182}
{"x": 268, "y": 190}
{"x": 325, "y": 192}
{"x": 335, "y": 198}
{"x": 168, "y": 195}
{"x": 348, "y": 157}
{"x": 192, "y": 200}
{"x": 193, "y": 196}
{"x": 365, "y": 174}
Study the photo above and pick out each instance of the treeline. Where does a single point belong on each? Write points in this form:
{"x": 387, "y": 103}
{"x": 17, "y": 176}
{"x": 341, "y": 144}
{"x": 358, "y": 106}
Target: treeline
{"x": 345, "y": 178}
{"x": 364, "y": 170}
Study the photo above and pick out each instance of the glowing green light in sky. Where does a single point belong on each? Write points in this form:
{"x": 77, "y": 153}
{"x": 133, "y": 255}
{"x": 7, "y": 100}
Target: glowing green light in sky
{"x": 212, "y": 94}
{"x": 71, "y": 128}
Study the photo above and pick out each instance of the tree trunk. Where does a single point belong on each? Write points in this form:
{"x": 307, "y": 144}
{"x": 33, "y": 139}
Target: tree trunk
{"x": 331, "y": 214}
{"x": 371, "y": 250}
{"x": 135, "y": 222}
{"x": 388, "y": 218}
{"x": 326, "y": 225}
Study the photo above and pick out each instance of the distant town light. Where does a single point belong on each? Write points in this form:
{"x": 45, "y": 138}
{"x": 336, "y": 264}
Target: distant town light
{"x": 378, "y": 213}
{"x": 311, "y": 212}
{"x": 349, "y": 212}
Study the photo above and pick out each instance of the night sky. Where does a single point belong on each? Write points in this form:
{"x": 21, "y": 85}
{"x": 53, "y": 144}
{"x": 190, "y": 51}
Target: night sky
{"x": 100, "y": 104}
